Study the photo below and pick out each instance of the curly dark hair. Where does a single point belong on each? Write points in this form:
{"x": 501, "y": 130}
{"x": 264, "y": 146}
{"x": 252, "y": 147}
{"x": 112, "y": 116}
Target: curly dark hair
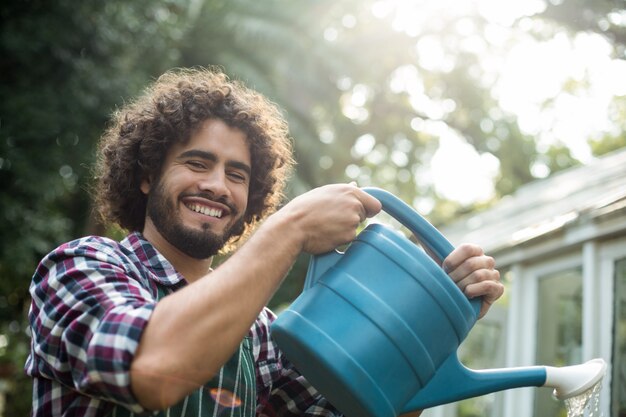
{"x": 171, "y": 110}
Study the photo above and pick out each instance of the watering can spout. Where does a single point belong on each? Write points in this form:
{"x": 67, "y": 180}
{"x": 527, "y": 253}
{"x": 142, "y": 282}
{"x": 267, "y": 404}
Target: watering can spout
{"x": 570, "y": 381}
{"x": 454, "y": 382}
{"x": 443, "y": 388}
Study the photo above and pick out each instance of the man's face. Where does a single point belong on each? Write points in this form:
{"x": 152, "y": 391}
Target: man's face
{"x": 199, "y": 200}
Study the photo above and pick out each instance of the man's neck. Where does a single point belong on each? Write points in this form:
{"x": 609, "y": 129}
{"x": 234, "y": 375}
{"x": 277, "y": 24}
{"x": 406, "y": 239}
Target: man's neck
{"x": 190, "y": 268}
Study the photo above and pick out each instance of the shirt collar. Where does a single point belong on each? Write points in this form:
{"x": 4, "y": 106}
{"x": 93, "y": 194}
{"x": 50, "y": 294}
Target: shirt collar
{"x": 162, "y": 270}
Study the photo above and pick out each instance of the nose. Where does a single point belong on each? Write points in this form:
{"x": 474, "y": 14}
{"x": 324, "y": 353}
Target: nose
{"x": 214, "y": 183}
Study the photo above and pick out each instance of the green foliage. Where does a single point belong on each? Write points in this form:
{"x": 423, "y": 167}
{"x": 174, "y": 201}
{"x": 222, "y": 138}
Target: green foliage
{"x": 608, "y": 143}
{"x": 14, "y": 346}
{"x": 65, "y": 66}
{"x": 616, "y": 139}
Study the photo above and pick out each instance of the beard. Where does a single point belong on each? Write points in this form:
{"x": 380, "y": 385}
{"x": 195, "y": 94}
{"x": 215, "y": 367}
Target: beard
{"x": 198, "y": 244}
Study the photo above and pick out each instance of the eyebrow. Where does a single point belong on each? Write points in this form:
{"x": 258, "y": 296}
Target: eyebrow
{"x": 210, "y": 156}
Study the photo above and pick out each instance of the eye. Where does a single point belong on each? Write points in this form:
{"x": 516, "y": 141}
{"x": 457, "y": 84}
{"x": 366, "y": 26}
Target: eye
{"x": 237, "y": 176}
{"x": 196, "y": 165}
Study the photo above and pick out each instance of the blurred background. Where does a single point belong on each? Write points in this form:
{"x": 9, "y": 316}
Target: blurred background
{"x": 449, "y": 104}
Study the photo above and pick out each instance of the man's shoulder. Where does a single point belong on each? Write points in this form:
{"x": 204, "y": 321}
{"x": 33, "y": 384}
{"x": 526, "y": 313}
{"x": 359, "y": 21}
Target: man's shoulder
{"x": 92, "y": 246}
{"x": 89, "y": 249}
{"x": 92, "y": 241}
{"x": 92, "y": 256}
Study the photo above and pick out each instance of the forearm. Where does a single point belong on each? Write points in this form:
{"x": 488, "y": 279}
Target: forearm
{"x": 194, "y": 331}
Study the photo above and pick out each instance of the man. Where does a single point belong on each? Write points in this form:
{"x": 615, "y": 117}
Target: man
{"x": 145, "y": 324}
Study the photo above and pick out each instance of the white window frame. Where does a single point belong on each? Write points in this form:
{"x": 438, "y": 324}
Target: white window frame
{"x": 522, "y": 332}
{"x": 607, "y": 254}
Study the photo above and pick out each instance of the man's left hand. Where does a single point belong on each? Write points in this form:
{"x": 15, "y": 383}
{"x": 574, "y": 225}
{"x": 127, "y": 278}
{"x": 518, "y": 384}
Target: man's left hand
{"x": 475, "y": 274}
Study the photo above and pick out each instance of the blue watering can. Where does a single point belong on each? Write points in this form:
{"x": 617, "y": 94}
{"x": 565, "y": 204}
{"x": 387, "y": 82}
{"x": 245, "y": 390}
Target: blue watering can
{"x": 377, "y": 328}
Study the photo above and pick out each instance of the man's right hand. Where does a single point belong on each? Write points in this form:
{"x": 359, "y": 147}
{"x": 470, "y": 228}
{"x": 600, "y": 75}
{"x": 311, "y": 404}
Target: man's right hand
{"x": 328, "y": 216}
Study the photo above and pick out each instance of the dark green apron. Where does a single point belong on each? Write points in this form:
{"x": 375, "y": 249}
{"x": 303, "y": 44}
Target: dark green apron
{"x": 231, "y": 393}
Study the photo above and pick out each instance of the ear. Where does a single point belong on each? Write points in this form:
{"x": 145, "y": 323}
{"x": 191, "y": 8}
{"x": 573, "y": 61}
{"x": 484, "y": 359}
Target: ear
{"x": 145, "y": 186}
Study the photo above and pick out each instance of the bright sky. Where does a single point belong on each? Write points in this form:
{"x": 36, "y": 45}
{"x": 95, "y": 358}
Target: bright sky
{"x": 528, "y": 74}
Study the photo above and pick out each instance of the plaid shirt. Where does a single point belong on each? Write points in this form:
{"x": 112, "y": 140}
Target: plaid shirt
{"x": 91, "y": 300}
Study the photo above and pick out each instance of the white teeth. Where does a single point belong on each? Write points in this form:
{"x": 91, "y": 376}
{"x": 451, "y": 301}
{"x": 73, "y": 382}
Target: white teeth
{"x": 206, "y": 210}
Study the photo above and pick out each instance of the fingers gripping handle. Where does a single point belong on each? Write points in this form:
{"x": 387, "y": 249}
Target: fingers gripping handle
{"x": 429, "y": 236}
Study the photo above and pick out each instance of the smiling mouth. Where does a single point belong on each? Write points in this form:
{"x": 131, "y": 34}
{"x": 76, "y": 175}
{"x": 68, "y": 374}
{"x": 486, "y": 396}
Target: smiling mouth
{"x": 207, "y": 211}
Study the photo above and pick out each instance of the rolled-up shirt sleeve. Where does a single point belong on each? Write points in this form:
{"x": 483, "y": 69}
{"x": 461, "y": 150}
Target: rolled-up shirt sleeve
{"x": 88, "y": 312}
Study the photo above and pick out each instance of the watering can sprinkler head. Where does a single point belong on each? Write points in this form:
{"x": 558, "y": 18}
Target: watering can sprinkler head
{"x": 570, "y": 381}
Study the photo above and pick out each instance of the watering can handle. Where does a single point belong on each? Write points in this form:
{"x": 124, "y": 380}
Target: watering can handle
{"x": 428, "y": 235}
